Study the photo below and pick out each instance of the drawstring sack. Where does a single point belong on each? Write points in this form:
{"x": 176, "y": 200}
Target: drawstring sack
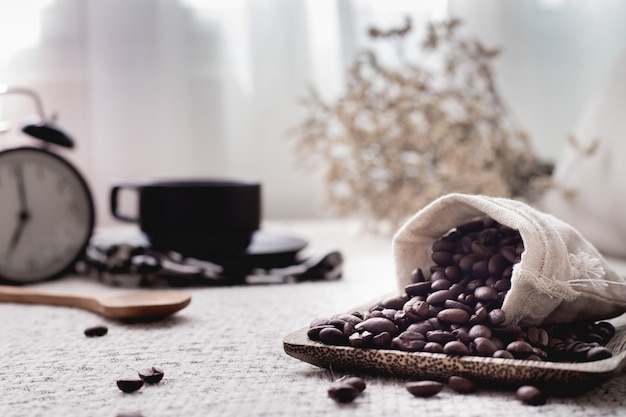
{"x": 561, "y": 277}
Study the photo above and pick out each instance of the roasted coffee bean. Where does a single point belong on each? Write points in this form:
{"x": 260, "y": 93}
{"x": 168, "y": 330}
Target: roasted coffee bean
{"x": 502, "y": 285}
{"x": 356, "y": 382}
{"x": 417, "y": 276}
{"x": 424, "y": 389}
{"x": 343, "y": 392}
{"x": 350, "y": 318}
{"x": 496, "y": 265}
{"x": 382, "y": 340}
{"x": 480, "y": 269}
{"x": 486, "y": 293}
{"x": 441, "y": 284}
{"x": 479, "y": 330}
{"x": 442, "y": 258}
{"x": 433, "y": 347}
{"x": 462, "y": 335}
{"x": 520, "y": 349}
{"x": 332, "y": 336}
{"x": 453, "y": 273}
{"x": 151, "y": 375}
{"x": 466, "y": 264}
{"x": 314, "y": 332}
{"x": 453, "y": 315}
{"x": 416, "y": 309}
{"x": 469, "y": 227}
{"x": 319, "y": 322}
{"x": 480, "y": 316}
{"x": 458, "y": 305}
{"x": 129, "y": 385}
{"x": 455, "y": 348}
{"x": 421, "y": 327}
{"x": 409, "y": 342}
{"x": 445, "y": 245}
{"x": 484, "y": 346}
{"x": 531, "y": 395}
{"x": 393, "y": 302}
{"x": 488, "y": 236}
{"x": 483, "y": 252}
{"x": 377, "y": 325}
{"x": 540, "y": 353}
{"x": 496, "y": 317}
{"x": 605, "y": 329}
{"x": 504, "y": 354}
{"x": 439, "y": 297}
{"x": 96, "y": 331}
{"x": 461, "y": 384}
{"x": 440, "y": 336}
{"x": 418, "y": 289}
{"x": 509, "y": 332}
{"x": 362, "y": 339}
{"x": 598, "y": 353}
{"x": 509, "y": 253}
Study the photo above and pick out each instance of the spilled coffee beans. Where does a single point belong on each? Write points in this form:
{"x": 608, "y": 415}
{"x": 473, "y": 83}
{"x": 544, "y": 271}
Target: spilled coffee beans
{"x": 457, "y": 309}
{"x": 424, "y": 388}
{"x": 345, "y": 390}
{"x": 530, "y": 395}
{"x": 96, "y": 331}
{"x": 129, "y": 385}
{"x": 151, "y": 375}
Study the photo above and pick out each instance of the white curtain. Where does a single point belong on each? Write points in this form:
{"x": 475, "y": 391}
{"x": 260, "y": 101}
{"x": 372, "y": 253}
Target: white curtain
{"x": 209, "y": 88}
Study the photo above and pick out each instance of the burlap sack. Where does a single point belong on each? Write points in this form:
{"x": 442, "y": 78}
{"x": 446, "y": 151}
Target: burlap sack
{"x": 561, "y": 276}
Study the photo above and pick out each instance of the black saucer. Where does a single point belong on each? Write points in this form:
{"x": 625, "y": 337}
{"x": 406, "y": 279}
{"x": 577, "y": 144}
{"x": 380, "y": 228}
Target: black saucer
{"x": 267, "y": 250}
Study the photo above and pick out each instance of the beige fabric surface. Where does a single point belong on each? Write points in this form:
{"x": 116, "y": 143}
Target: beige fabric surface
{"x": 223, "y": 355}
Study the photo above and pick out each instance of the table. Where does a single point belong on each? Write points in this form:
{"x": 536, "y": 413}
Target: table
{"x": 223, "y": 354}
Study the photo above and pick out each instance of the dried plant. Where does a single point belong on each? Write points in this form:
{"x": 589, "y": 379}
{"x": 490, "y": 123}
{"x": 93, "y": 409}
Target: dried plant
{"x": 404, "y": 135}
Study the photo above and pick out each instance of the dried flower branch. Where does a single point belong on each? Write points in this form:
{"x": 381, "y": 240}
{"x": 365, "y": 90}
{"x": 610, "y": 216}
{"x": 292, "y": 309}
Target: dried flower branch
{"x": 401, "y": 137}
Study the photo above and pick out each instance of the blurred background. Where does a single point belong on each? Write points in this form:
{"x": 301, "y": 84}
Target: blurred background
{"x": 210, "y": 88}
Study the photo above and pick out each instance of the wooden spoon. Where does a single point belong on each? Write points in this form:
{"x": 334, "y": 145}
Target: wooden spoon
{"x": 131, "y": 305}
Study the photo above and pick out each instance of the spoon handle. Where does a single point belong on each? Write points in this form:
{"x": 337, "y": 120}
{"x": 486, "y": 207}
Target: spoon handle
{"x": 13, "y": 294}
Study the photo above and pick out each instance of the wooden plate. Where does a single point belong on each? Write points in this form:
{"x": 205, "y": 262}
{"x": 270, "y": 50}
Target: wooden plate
{"x": 557, "y": 376}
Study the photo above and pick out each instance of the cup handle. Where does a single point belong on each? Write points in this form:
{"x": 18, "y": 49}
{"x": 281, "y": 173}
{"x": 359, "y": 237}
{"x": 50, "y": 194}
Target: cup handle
{"x": 115, "y": 190}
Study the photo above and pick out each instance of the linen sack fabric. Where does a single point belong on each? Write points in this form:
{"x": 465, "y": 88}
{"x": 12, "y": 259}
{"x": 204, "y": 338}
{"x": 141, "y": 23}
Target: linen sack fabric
{"x": 591, "y": 191}
{"x": 561, "y": 277}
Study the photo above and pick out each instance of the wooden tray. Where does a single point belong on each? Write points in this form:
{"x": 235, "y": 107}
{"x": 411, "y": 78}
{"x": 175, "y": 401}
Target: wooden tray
{"x": 557, "y": 376}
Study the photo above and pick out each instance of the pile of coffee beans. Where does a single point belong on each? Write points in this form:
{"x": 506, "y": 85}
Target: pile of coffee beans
{"x": 457, "y": 309}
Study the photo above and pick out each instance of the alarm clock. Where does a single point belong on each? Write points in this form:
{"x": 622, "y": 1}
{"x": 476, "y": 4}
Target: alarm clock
{"x": 46, "y": 209}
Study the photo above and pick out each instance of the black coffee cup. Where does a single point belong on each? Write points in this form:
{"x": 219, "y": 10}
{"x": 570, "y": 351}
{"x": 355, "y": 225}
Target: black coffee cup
{"x": 195, "y": 216}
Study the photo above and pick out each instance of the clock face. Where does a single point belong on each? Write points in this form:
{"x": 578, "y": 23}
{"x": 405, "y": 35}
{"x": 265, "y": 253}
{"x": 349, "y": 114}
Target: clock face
{"x": 46, "y": 215}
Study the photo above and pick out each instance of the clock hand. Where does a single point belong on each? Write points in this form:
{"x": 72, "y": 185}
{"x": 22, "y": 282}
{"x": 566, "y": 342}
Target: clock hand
{"x": 21, "y": 191}
{"x": 24, "y": 214}
{"x": 15, "y": 239}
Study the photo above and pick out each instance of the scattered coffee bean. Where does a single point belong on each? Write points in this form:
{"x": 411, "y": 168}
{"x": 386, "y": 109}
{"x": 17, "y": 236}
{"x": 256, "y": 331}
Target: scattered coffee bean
{"x": 343, "y": 392}
{"x": 461, "y": 384}
{"x": 96, "y": 331}
{"x": 531, "y": 395}
{"x": 424, "y": 388}
{"x": 151, "y": 375}
{"x": 356, "y": 382}
{"x": 129, "y": 385}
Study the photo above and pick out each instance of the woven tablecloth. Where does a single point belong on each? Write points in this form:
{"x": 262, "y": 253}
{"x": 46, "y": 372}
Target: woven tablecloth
{"x": 223, "y": 354}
